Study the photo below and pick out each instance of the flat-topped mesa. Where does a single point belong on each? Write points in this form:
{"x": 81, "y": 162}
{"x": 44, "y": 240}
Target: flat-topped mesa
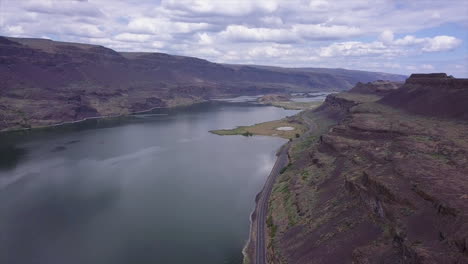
{"x": 434, "y": 94}
{"x": 429, "y": 75}
{"x": 435, "y": 79}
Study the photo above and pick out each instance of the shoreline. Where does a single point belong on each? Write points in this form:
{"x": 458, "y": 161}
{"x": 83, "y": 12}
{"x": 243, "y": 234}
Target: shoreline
{"x": 249, "y": 251}
{"x": 252, "y": 221}
{"x": 214, "y": 99}
{"x": 17, "y": 130}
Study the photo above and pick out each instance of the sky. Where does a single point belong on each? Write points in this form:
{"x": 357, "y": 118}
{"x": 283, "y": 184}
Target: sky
{"x": 393, "y": 36}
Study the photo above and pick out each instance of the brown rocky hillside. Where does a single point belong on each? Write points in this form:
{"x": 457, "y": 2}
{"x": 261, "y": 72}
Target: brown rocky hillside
{"x": 45, "y": 82}
{"x": 379, "y": 180}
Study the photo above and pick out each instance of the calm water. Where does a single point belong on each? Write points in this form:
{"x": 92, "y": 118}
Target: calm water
{"x": 154, "y": 188}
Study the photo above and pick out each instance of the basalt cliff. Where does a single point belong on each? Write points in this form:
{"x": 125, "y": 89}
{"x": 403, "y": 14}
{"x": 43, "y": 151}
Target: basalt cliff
{"x": 44, "y": 82}
{"x": 382, "y": 178}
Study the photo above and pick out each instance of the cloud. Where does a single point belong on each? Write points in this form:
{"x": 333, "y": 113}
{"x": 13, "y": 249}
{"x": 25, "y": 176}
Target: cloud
{"x": 130, "y": 37}
{"x": 325, "y": 32}
{"x": 441, "y": 43}
{"x": 388, "y": 46}
{"x": 204, "y": 39}
{"x": 295, "y": 33}
{"x": 81, "y": 30}
{"x": 15, "y": 30}
{"x": 386, "y": 37}
{"x": 427, "y": 67}
{"x": 358, "y": 49}
{"x": 383, "y": 35}
{"x": 243, "y": 33}
{"x": 271, "y": 20}
{"x": 225, "y": 7}
{"x": 64, "y": 7}
{"x": 409, "y": 40}
{"x": 146, "y": 25}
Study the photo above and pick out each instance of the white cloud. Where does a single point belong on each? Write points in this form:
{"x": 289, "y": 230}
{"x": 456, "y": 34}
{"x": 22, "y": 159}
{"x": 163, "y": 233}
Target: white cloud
{"x": 441, "y": 43}
{"x": 319, "y": 4}
{"x": 386, "y": 37}
{"x": 320, "y": 31}
{"x": 427, "y": 67}
{"x": 147, "y": 25}
{"x": 268, "y": 51}
{"x": 409, "y": 40}
{"x": 64, "y": 7}
{"x": 272, "y": 20}
{"x": 15, "y": 30}
{"x": 204, "y": 39}
{"x": 82, "y": 30}
{"x": 224, "y": 7}
{"x": 368, "y": 34}
{"x": 130, "y": 37}
{"x": 243, "y": 33}
{"x": 437, "y": 43}
{"x": 295, "y": 33}
{"x": 388, "y": 46}
{"x": 355, "y": 48}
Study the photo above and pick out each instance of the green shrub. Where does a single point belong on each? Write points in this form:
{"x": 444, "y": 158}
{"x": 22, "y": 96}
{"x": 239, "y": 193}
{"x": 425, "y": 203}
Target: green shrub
{"x": 247, "y": 134}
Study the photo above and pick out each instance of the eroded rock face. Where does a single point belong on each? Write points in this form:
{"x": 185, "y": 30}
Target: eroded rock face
{"x": 436, "y": 95}
{"x": 380, "y": 186}
{"x": 377, "y": 87}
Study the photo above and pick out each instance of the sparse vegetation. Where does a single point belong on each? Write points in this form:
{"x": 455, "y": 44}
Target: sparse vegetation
{"x": 283, "y": 170}
{"x": 266, "y": 129}
{"x": 271, "y": 226}
{"x": 291, "y": 105}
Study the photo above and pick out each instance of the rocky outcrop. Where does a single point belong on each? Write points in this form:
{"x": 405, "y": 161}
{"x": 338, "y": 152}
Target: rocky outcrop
{"x": 377, "y": 87}
{"x": 435, "y": 95}
{"x": 337, "y": 106}
{"x": 44, "y": 82}
{"x": 382, "y": 185}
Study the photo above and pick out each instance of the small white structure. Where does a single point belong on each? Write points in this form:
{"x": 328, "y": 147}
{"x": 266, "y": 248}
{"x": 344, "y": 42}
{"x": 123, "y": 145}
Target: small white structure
{"x": 285, "y": 128}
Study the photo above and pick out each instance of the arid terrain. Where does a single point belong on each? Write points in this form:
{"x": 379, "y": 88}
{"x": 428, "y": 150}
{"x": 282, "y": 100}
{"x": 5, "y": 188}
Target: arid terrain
{"x": 381, "y": 178}
{"x": 272, "y": 128}
{"x": 44, "y": 82}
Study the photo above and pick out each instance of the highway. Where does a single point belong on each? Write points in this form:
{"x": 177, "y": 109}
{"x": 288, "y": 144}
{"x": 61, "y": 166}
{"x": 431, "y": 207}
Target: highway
{"x": 262, "y": 206}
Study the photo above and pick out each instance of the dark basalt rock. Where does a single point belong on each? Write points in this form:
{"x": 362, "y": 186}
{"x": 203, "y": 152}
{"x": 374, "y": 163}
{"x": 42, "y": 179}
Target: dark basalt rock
{"x": 382, "y": 185}
{"x": 435, "y": 94}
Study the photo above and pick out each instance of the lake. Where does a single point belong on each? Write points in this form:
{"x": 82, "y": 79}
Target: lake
{"x": 150, "y": 188}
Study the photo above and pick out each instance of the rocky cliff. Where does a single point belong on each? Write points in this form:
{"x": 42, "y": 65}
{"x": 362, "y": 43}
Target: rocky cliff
{"x": 378, "y": 180}
{"x": 45, "y": 82}
{"x": 379, "y": 87}
{"x": 435, "y": 95}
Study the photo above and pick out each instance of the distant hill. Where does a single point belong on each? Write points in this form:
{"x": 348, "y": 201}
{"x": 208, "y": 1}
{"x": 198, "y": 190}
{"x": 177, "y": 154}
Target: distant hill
{"x": 47, "y": 82}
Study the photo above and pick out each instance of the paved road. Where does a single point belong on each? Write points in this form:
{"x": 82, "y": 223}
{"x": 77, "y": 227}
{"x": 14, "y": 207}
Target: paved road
{"x": 262, "y": 212}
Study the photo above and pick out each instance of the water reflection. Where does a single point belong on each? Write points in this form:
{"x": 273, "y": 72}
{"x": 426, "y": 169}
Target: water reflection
{"x": 157, "y": 188}
{"x": 10, "y": 156}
